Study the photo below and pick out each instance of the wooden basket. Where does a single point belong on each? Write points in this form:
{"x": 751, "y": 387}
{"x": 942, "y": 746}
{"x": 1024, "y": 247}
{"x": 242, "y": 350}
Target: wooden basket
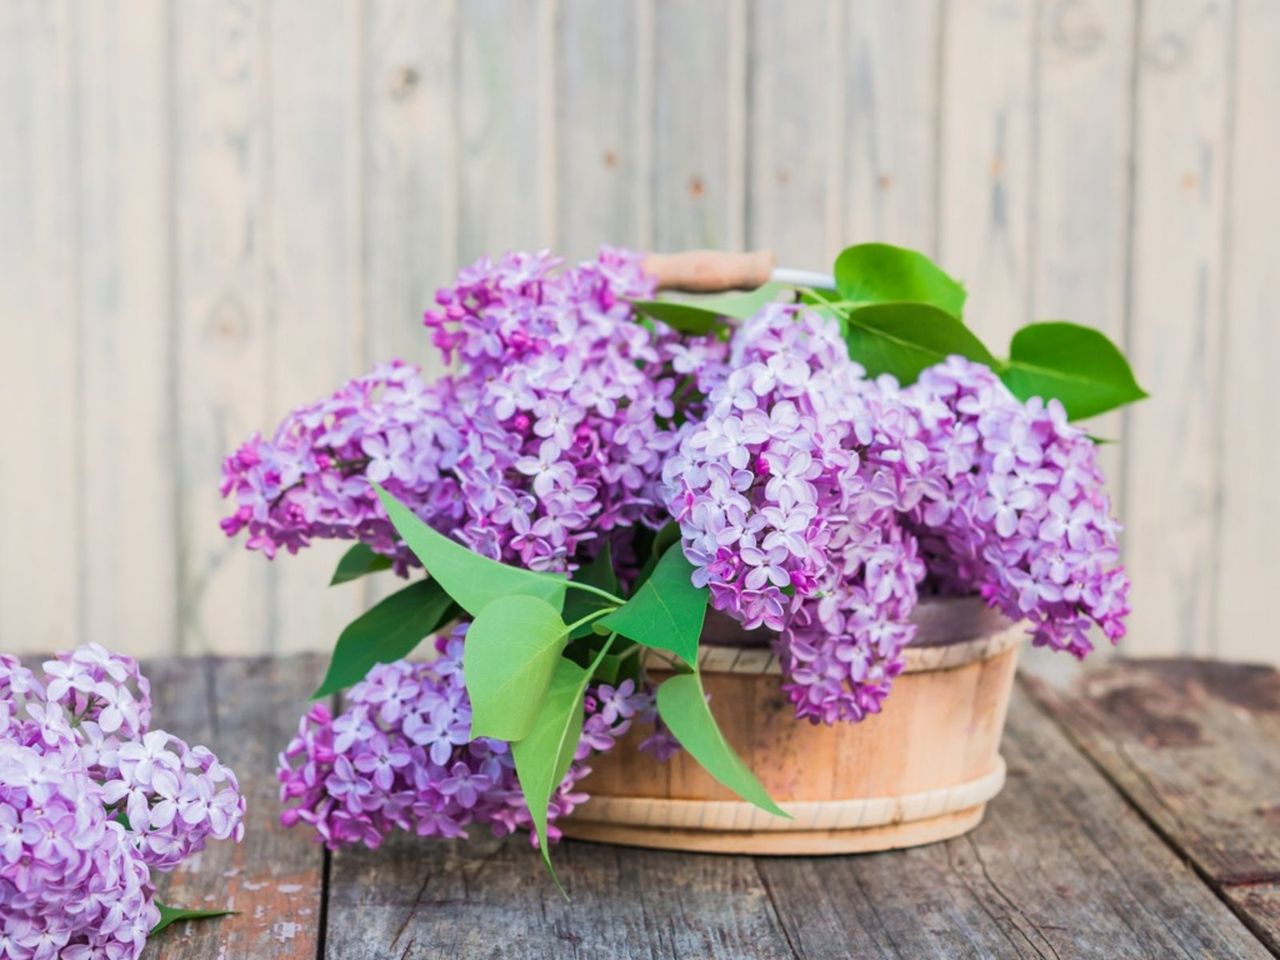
{"x": 921, "y": 770}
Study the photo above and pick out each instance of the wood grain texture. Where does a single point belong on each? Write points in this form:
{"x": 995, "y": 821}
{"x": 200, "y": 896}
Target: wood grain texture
{"x": 222, "y": 297}
{"x": 889, "y": 156}
{"x": 793, "y": 56}
{"x": 128, "y": 590}
{"x": 1060, "y": 867}
{"x": 416, "y": 899}
{"x": 699, "y": 124}
{"x": 602, "y": 164}
{"x": 244, "y": 710}
{"x": 986, "y": 204}
{"x": 1196, "y": 746}
{"x": 316, "y": 295}
{"x": 507, "y": 127}
{"x": 1080, "y": 240}
{"x": 1249, "y": 513}
{"x": 1181, "y": 122}
{"x": 40, "y": 509}
{"x": 410, "y": 173}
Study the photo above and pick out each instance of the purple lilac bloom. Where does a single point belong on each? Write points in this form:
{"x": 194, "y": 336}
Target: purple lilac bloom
{"x": 1016, "y": 509}
{"x": 78, "y": 760}
{"x": 406, "y": 761}
{"x": 549, "y": 433}
{"x": 789, "y": 524}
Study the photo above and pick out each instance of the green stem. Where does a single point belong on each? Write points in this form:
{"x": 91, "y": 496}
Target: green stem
{"x": 594, "y": 615}
{"x": 596, "y": 590}
{"x": 600, "y": 656}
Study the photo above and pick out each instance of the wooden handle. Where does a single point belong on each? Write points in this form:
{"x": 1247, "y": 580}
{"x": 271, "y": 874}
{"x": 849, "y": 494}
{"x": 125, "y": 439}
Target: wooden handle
{"x": 710, "y": 271}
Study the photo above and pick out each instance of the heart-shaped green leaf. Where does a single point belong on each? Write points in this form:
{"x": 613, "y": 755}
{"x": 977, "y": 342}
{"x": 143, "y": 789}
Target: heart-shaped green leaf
{"x": 357, "y": 562}
{"x": 667, "y": 611}
{"x": 880, "y": 273}
{"x": 171, "y": 915}
{"x": 510, "y": 654}
{"x": 543, "y": 756}
{"x": 387, "y": 631}
{"x": 1077, "y": 365}
{"x": 472, "y": 580}
{"x": 682, "y": 705}
{"x": 904, "y": 338}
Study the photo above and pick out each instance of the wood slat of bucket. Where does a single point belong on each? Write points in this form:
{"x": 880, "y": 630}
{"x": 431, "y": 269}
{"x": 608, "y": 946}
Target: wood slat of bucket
{"x": 895, "y": 774}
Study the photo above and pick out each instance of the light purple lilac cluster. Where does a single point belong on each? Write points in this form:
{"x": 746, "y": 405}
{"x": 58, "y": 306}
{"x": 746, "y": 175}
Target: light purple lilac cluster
{"x": 399, "y": 756}
{"x": 813, "y": 501}
{"x": 1016, "y": 508}
{"x": 91, "y": 800}
{"x": 550, "y": 432}
{"x": 789, "y": 525}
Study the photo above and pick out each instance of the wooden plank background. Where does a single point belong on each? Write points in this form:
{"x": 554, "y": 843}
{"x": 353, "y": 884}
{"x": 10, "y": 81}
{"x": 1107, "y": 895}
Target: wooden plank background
{"x": 212, "y": 210}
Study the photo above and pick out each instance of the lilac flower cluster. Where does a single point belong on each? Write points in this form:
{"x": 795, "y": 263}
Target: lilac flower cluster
{"x": 813, "y": 501}
{"x": 1016, "y": 508}
{"x": 550, "y": 432}
{"x": 91, "y": 801}
{"x": 789, "y": 525}
{"x": 399, "y": 756}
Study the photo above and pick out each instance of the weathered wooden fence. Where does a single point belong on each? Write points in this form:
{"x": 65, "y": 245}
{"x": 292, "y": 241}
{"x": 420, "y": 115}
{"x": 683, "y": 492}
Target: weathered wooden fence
{"x": 212, "y": 209}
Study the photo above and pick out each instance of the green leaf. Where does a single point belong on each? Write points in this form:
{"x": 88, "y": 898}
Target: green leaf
{"x": 1075, "y": 364}
{"x": 904, "y": 338}
{"x": 472, "y": 580}
{"x": 598, "y": 573}
{"x": 706, "y": 314}
{"x": 663, "y": 539}
{"x": 387, "y": 631}
{"x": 682, "y": 705}
{"x": 171, "y": 915}
{"x": 880, "y": 273}
{"x": 508, "y": 659}
{"x": 543, "y": 756}
{"x": 667, "y": 611}
{"x": 357, "y": 562}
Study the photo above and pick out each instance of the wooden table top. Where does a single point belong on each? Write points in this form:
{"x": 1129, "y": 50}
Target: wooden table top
{"x": 1141, "y": 819}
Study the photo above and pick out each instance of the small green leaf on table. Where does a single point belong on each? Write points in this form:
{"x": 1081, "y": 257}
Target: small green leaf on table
{"x": 667, "y": 611}
{"x": 904, "y": 338}
{"x": 543, "y": 756}
{"x": 706, "y": 314}
{"x": 880, "y": 273}
{"x": 387, "y": 631}
{"x": 357, "y": 562}
{"x": 682, "y": 705}
{"x": 472, "y": 580}
{"x": 511, "y": 652}
{"x": 1077, "y": 365}
{"x": 171, "y": 915}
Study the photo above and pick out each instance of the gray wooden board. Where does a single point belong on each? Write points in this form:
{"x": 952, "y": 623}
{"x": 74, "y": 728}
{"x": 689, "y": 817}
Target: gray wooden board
{"x": 1062, "y": 867}
{"x": 244, "y": 710}
{"x": 1196, "y": 746}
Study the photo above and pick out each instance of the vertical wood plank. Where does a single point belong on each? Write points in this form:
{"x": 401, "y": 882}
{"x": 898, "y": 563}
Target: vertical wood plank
{"x": 221, "y": 309}
{"x": 410, "y": 173}
{"x": 792, "y": 93}
{"x": 1247, "y": 435}
{"x": 890, "y": 150}
{"x": 39, "y": 305}
{"x": 600, "y": 183}
{"x": 314, "y": 233}
{"x": 506, "y": 111}
{"x": 699, "y": 104}
{"x": 129, "y": 584}
{"x": 1176, "y": 321}
{"x": 1082, "y": 158}
{"x": 987, "y": 183}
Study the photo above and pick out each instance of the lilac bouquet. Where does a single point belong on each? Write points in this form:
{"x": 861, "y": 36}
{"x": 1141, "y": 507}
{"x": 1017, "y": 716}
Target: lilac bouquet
{"x": 91, "y": 801}
{"x": 600, "y": 468}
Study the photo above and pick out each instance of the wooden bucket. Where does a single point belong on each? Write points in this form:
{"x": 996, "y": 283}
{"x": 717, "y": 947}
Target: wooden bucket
{"x": 921, "y": 770}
